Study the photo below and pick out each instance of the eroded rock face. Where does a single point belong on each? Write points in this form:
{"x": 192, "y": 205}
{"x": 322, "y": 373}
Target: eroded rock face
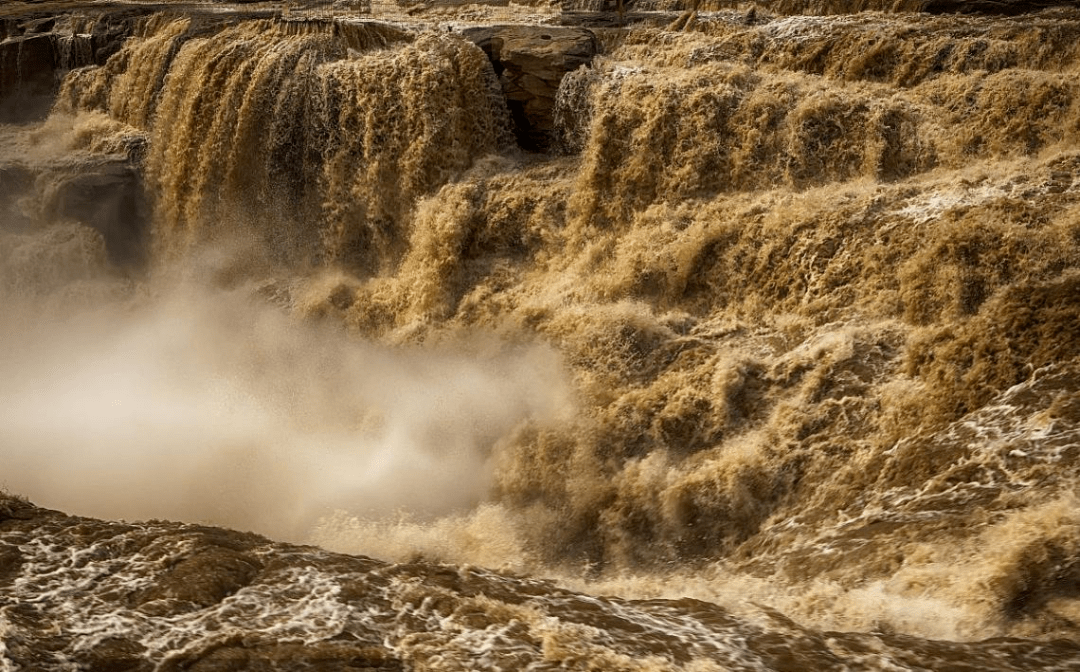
{"x": 27, "y": 76}
{"x": 530, "y": 62}
{"x": 108, "y": 197}
{"x": 103, "y": 192}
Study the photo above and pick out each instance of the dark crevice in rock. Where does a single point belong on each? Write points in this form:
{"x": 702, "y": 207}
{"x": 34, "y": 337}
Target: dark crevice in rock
{"x": 531, "y": 62}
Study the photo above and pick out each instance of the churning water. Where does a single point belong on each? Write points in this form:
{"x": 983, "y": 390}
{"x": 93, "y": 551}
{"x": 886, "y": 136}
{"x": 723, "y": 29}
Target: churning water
{"x": 781, "y": 354}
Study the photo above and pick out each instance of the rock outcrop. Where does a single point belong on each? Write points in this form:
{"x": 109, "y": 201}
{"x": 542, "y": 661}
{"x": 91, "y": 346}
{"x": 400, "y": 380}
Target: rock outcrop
{"x": 109, "y": 198}
{"x": 530, "y": 62}
{"x": 101, "y": 190}
{"x": 37, "y": 50}
{"x": 27, "y": 79}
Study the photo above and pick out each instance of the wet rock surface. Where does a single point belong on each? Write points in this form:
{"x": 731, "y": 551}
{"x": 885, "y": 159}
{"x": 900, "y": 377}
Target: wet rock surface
{"x": 27, "y": 76}
{"x": 108, "y": 197}
{"x": 100, "y": 191}
{"x": 169, "y": 596}
{"x": 531, "y": 62}
{"x": 166, "y": 596}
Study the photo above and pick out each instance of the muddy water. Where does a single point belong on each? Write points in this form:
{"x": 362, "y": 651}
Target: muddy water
{"x": 782, "y": 346}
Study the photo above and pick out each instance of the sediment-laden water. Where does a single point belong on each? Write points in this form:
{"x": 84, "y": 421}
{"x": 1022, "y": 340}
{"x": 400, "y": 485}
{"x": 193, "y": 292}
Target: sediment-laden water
{"x": 770, "y": 362}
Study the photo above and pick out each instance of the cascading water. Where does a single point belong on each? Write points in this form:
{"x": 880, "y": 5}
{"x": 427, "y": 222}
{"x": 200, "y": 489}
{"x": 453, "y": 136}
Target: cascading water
{"x": 787, "y": 326}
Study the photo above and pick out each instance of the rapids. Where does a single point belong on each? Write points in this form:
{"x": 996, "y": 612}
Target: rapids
{"x": 772, "y": 362}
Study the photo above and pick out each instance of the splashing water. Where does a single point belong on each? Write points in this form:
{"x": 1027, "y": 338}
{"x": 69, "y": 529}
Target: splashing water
{"x": 788, "y": 327}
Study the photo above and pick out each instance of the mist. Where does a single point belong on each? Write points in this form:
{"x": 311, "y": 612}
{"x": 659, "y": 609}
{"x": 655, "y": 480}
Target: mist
{"x": 200, "y": 404}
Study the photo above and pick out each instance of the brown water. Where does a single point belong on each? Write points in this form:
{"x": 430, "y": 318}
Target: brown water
{"x": 791, "y": 329}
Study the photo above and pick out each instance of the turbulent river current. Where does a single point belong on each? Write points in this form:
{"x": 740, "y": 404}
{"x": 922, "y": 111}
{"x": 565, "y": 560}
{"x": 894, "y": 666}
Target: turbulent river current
{"x": 766, "y": 357}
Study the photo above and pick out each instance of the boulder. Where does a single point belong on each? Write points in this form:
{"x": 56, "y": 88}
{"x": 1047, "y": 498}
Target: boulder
{"x": 531, "y": 62}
